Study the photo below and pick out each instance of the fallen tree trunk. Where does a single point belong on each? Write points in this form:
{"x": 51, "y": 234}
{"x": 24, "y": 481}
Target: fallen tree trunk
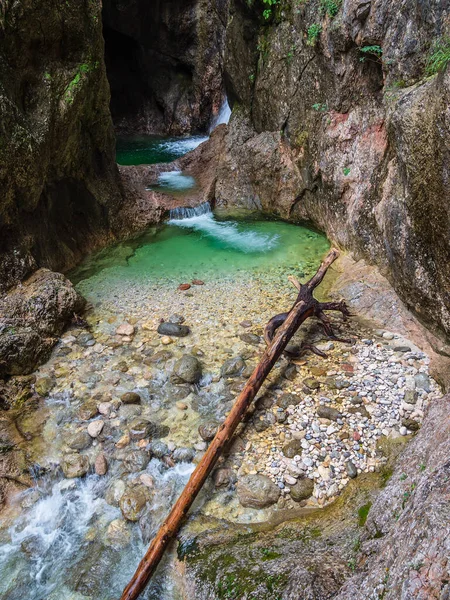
{"x": 278, "y": 332}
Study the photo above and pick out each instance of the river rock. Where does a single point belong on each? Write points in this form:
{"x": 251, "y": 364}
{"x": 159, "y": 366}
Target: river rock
{"x": 44, "y": 385}
{"x": 208, "y": 430}
{"x": 176, "y": 319}
{"x": 160, "y": 357}
{"x": 302, "y": 490}
{"x": 250, "y": 338}
{"x": 411, "y": 424}
{"x": 88, "y": 410}
{"x": 75, "y": 465}
{"x": 101, "y": 464}
{"x": 125, "y": 329}
{"x": 257, "y": 491}
{"x": 136, "y": 460}
{"x": 286, "y": 400}
{"x": 173, "y": 329}
{"x": 327, "y": 412}
{"x": 290, "y": 372}
{"x": 118, "y": 535}
{"x": 351, "y": 469}
{"x": 80, "y": 440}
{"x": 411, "y": 396}
{"x": 95, "y": 428}
{"x": 140, "y": 429}
{"x": 130, "y": 398}
{"x": 292, "y": 448}
{"x": 183, "y": 454}
{"x": 233, "y": 367}
{"x": 422, "y": 382}
{"x": 311, "y": 383}
{"x": 133, "y": 502}
{"x": 263, "y": 421}
{"x": 188, "y": 369}
{"x": 115, "y": 491}
{"x": 224, "y": 477}
{"x": 158, "y": 448}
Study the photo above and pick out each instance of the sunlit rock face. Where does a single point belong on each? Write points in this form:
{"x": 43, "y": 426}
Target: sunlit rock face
{"x": 164, "y": 63}
{"x": 354, "y": 140}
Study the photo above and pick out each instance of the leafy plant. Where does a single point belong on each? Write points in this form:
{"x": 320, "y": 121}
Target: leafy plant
{"x": 252, "y": 77}
{"x": 376, "y": 51}
{"x": 440, "y": 56}
{"x": 346, "y": 171}
{"x": 267, "y": 13}
{"x": 330, "y": 7}
{"x": 320, "y": 107}
{"x": 313, "y": 34}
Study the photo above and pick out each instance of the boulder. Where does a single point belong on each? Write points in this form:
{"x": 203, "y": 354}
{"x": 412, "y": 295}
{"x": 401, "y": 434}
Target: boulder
{"x": 233, "y": 367}
{"x": 173, "y": 329}
{"x": 133, "y": 502}
{"x": 302, "y": 490}
{"x": 188, "y": 369}
{"x": 257, "y": 491}
{"x": 75, "y": 465}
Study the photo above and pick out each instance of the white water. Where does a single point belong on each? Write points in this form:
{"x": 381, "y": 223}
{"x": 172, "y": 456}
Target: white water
{"x": 181, "y": 146}
{"x": 176, "y": 181}
{"x": 223, "y": 116}
{"x": 228, "y": 233}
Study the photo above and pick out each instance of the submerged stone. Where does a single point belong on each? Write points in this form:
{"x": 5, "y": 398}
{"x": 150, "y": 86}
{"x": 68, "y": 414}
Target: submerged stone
{"x": 302, "y": 490}
{"x": 257, "y": 491}
{"x": 233, "y": 367}
{"x": 188, "y": 369}
{"x": 173, "y": 329}
{"x": 75, "y": 465}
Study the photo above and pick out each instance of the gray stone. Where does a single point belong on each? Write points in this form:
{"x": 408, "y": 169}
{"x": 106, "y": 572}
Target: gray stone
{"x": 183, "y": 454}
{"x": 411, "y": 396}
{"x": 250, "y": 338}
{"x": 233, "y": 367}
{"x": 130, "y": 398}
{"x": 158, "y": 448}
{"x": 423, "y": 382}
{"x": 136, "y": 460}
{"x": 302, "y": 490}
{"x": 411, "y": 424}
{"x": 133, "y": 502}
{"x": 327, "y": 412}
{"x": 352, "y": 471}
{"x": 287, "y": 400}
{"x": 173, "y": 330}
{"x": 292, "y": 448}
{"x": 188, "y": 369}
{"x": 311, "y": 383}
{"x": 257, "y": 491}
{"x": 224, "y": 477}
{"x": 80, "y": 440}
{"x": 208, "y": 430}
{"x": 75, "y": 465}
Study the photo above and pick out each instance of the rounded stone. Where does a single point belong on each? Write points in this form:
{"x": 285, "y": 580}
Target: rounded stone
{"x": 208, "y": 430}
{"x": 130, "y": 398}
{"x": 133, "y": 502}
{"x": 188, "y": 369}
{"x": 75, "y": 465}
{"x": 233, "y": 367}
{"x": 95, "y": 428}
{"x": 302, "y": 490}
{"x": 257, "y": 491}
{"x": 101, "y": 464}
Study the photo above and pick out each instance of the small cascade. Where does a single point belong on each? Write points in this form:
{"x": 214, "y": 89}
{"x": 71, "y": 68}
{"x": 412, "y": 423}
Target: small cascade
{"x": 188, "y": 212}
{"x": 222, "y": 117}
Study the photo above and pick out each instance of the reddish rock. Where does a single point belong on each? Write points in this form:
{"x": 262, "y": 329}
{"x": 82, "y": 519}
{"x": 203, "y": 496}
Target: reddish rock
{"x": 198, "y": 282}
{"x": 101, "y": 464}
{"x": 184, "y": 286}
{"x": 356, "y": 436}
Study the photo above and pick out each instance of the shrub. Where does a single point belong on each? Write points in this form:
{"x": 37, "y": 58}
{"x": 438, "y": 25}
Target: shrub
{"x": 330, "y": 7}
{"x": 313, "y": 33}
{"x": 375, "y": 51}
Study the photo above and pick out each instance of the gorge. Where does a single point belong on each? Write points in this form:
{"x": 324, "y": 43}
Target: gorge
{"x": 165, "y": 167}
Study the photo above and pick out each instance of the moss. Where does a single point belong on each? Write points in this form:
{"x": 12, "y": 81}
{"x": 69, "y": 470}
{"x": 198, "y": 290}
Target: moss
{"x": 268, "y": 554}
{"x": 363, "y": 512}
{"x": 82, "y": 70}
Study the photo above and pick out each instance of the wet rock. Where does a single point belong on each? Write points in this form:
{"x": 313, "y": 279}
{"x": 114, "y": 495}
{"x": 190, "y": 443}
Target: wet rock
{"x": 140, "y": 429}
{"x": 177, "y": 392}
{"x": 104, "y": 408}
{"x": 176, "y": 319}
{"x": 95, "y": 428}
{"x": 352, "y": 471}
{"x": 290, "y": 372}
{"x": 246, "y": 324}
{"x": 147, "y": 480}
{"x": 130, "y": 411}
{"x": 75, "y": 465}
{"x": 302, "y": 490}
{"x": 184, "y": 286}
{"x": 250, "y": 338}
{"x": 422, "y": 382}
{"x": 411, "y": 424}
{"x": 133, "y": 502}
{"x": 257, "y": 491}
{"x": 88, "y": 410}
{"x": 173, "y": 329}
{"x": 188, "y": 369}
{"x": 136, "y": 460}
{"x": 158, "y": 448}
{"x": 224, "y": 477}
{"x": 233, "y": 367}
{"x": 286, "y": 400}
{"x": 80, "y": 440}
{"x": 402, "y": 349}
{"x": 327, "y": 412}
{"x": 125, "y": 329}
{"x": 311, "y": 383}
{"x": 101, "y": 464}
{"x": 115, "y": 491}
{"x": 197, "y": 282}
{"x": 292, "y": 449}
{"x": 208, "y": 430}
{"x": 263, "y": 421}
{"x": 118, "y": 535}
{"x": 130, "y": 398}
{"x": 124, "y": 441}
{"x": 183, "y": 454}
{"x": 354, "y": 410}
{"x": 160, "y": 357}
{"x": 44, "y": 385}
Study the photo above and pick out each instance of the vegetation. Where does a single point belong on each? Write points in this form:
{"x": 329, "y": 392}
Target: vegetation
{"x": 313, "y": 34}
{"x": 363, "y": 512}
{"x": 375, "y": 51}
{"x": 267, "y": 12}
{"x": 82, "y": 70}
{"x": 440, "y": 56}
{"x": 346, "y": 171}
{"x": 320, "y": 107}
{"x": 330, "y": 7}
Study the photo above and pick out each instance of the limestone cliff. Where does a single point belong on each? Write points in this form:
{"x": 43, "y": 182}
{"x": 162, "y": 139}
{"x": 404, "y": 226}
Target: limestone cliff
{"x": 57, "y": 169}
{"x": 338, "y": 121}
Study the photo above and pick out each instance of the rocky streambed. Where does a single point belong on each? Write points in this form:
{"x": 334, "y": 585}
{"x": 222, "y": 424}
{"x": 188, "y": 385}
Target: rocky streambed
{"x": 131, "y": 400}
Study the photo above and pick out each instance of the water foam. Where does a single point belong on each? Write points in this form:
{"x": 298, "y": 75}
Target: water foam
{"x": 201, "y": 219}
{"x": 175, "y": 180}
{"x": 180, "y": 146}
{"x": 223, "y": 116}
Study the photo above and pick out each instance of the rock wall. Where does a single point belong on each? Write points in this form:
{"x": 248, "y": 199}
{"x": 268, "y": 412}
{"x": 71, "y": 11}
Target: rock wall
{"x": 335, "y": 121}
{"x": 164, "y": 63}
{"x": 57, "y": 169}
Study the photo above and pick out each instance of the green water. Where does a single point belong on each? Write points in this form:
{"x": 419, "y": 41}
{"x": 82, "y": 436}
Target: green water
{"x": 207, "y": 246}
{"x": 151, "y": 149}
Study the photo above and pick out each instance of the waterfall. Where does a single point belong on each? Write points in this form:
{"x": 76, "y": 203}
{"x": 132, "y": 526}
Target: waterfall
{"x": 223, "y": 116}
{"x": 187, "y": 212}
